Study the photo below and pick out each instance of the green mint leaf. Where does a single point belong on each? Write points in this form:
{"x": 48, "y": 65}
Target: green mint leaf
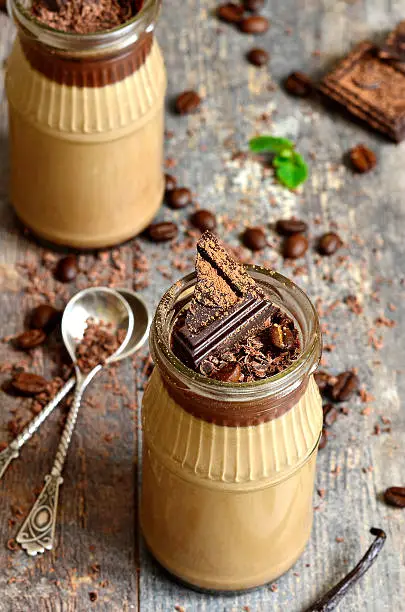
{"x": 283, "y": 156}
{"x": 270, "y": 144}
{"x": 292, "y": 171}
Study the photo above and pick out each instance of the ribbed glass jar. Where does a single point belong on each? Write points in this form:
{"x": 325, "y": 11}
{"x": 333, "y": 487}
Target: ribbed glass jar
{"x": 228, "y": 468}
{"x": 86, "y": 128}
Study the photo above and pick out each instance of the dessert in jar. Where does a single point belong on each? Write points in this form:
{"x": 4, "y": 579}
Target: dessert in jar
{"x": 232, "y": 419}
{"x": 85, "y": 85}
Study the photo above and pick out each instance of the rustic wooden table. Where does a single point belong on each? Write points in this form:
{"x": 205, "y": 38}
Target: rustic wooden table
{"x": 100, "y": 554}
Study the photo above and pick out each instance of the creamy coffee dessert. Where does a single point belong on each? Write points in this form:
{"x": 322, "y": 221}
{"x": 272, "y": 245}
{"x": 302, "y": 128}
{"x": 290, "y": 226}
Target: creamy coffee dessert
{"x": 85, "y": 85}
{"x": 232, "y": 419}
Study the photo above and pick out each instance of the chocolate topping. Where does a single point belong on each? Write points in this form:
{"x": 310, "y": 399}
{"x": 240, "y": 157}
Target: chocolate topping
{"x": 84, "y": 16}
{"x": 221, "y": 284}
{"x": 230, "y": 320}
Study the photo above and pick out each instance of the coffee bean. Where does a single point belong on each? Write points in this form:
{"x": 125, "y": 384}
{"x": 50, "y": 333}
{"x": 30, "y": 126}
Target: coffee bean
{"x": 330, "y": 414}
{"x": 28, "y": 384}
{"x": 229, "y": 373}
{"x": 66, "y": 269}
{"x": 299, "y": 84}
{"x": 395, "y": 496}
{"x": 329, "y": 243}
{"x": 346, "y": 384}
{"x": 256, "y": 24}
{"x": 204, "y": 220}
{"x": 253, "y": 6}
{"x": 323, "y": 380}
{"x": 30, "y": 339}
{"x": 230, "y": 12}
{"x": 295, "y": 246}
{"x": 170, "y": 182}
{"x": 362, "y": 159}
{"x": 179, "y": 197}
{"x": 258, "y": 57}
{"x": 281, "y": 337}
{"x": 254, "y": 238}
{"x": 187, "y": 102}
{"x": 289, "y": 227}
{"x": 161, "y": 232}
{"x": 44, "y": 316}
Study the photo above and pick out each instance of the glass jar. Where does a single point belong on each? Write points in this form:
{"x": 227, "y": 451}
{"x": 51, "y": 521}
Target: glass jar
{"x": 86, "y": 128}
{"x": 228, "y": 468}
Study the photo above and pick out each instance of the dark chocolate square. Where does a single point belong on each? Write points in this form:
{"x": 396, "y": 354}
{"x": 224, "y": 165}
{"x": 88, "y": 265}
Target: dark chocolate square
{"x": 370, "y": 88}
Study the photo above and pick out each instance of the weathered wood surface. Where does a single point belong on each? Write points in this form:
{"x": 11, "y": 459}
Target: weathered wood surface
{"x": 98, "y": 512}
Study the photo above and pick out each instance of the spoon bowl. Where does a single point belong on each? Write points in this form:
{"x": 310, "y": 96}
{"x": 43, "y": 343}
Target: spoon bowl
{"x": 100, "y": 304}
{"x": 142, "y": 323}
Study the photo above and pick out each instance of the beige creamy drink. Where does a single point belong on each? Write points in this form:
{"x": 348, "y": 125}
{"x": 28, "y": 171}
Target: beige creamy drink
{"x": 228, "y": 466}
{"x": 86, "y": 130}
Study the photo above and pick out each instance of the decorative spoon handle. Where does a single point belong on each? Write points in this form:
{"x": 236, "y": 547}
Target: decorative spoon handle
{"x": 38, "y": 530}
{"x": 12, "y": 451}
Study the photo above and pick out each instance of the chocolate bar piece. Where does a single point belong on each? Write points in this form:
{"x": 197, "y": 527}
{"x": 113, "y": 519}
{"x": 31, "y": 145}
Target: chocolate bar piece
{"x": 240, "y": 321}
{"x": 371, "y": 89}
{"x": 226, "y": 306}
{"x": 393, "y": 50}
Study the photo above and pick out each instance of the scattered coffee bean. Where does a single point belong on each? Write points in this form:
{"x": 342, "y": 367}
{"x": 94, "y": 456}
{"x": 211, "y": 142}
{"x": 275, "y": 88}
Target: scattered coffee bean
{"x": 254, "y": 6}
{"x": 30, "y": 339}
{"x": 44, "y": 317}
{"x": 204, "y": 220}
{"x": 346, "y": 384}
{"x": 179, "y": 197}
{"x": 362, "y": 159}
{"x": 93, "y": 596}
{"x": 256, "y": 24}
{"x": 230, "y": 12}
{"x": 170, "y": 182}
{"x": 329, "y": 243}
{"x": 324, "y": 439}
{"x": 229, "y": 373}
{"x": 254, "y": 238}
{"x": 330, "y": 414}
{"x": 66, "y": 269}
{"x": 322, "y": 379}
{"x": 281, "y": 337}
{"x": 258, "y": 57}
{"x": 289, "y": 227}
{"x": 12, "y": 544}
{"x": 28, "y": 384}
{"x": 295, "y": 246}
{"x": 299, "y": 84}
{"x": 161, "y": 232}
{"x": 187, "y": 102}
{"x": 395, "y": 496}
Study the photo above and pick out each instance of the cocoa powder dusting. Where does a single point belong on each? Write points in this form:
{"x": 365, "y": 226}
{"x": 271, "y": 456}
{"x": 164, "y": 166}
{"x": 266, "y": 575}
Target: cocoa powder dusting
{"x": 83, "y": 16}
{"x": 98, "y": 343}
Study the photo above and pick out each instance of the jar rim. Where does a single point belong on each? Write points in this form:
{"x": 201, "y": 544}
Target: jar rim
{"x": 125, "y": 34}
{"x": 289, "y": 378}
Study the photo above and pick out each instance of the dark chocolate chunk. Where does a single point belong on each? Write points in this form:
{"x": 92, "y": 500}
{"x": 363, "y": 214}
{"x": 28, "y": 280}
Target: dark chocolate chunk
{"x": 369, "y": 88}
{"x": 394, "y": 47}
{"x": 229, "y": 373}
